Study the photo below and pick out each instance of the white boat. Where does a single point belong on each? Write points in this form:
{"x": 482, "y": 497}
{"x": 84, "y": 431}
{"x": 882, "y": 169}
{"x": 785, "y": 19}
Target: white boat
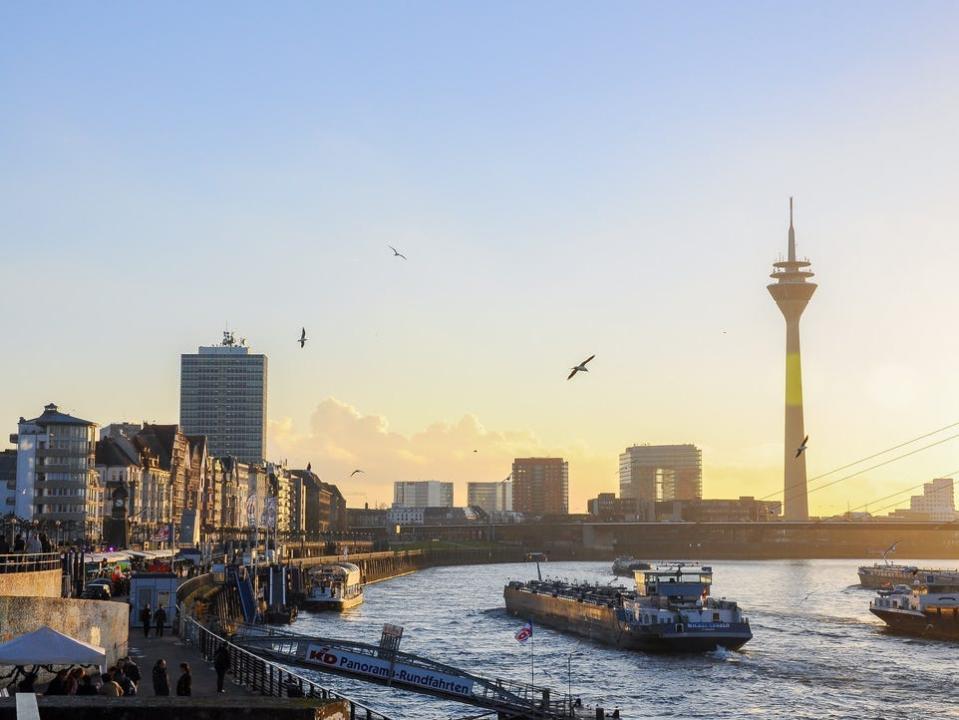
{"x": 334, "y": 587}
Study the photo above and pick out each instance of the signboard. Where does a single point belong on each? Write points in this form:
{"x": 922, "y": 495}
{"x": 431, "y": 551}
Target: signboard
{"x": 358, "y": 664}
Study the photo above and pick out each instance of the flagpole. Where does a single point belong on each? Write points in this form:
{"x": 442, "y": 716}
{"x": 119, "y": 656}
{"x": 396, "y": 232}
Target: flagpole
{"x": 531, "y": 670}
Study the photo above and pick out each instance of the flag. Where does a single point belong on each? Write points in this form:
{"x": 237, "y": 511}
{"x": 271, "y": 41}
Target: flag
{"x": 525, "y": 633}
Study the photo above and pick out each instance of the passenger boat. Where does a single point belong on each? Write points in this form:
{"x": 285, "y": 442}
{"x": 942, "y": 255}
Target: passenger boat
{"x": 670, "y": 610}
{"x": 931, "y": 612}
{"x": 334, "y": 587}
{"x": 626, "y": 565}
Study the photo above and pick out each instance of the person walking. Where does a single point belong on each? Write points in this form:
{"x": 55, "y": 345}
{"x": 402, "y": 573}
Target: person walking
{"x": 145, "y": 617}
{"x": 184, "y": 686}
{"x": 221, "y": 663}
{"x": 161, "y": 679}
{"x": 131, "y": 670}
{"x": 159, "y": 618}
{"x": 18, "y": 544}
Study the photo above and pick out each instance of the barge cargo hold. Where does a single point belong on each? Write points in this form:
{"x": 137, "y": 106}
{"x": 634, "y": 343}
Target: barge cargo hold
{"x": 671, "y": 611}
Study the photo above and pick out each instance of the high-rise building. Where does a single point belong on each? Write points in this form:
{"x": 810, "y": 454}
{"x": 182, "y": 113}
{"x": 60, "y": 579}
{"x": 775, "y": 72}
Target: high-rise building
{"x": 661, "y": 472}
{"x": 937, "y": 503}
{"x": 223, "y": 394}
{"x": 492, "y": 497}
{"x": 423, "y": 493}
{"x": 56, "y": 475}
{"x": 541, "y": 486}
{"x": 792, "y": 292}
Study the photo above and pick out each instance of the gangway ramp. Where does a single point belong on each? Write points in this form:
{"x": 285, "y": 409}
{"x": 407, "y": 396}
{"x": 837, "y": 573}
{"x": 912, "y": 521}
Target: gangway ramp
{"x": 371, "y": 663}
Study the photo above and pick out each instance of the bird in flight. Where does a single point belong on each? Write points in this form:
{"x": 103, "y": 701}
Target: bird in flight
{"x": 354, "y": 472}
{"x": 396, "y": 253}
{"x": 580, "y": 368}
{"x": 302, "y": 339}
{"x": 802, "y": 448}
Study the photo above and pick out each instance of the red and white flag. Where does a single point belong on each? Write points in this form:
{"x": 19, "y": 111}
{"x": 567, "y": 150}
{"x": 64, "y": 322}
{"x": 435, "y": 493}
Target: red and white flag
{"x": 525, "y": 633}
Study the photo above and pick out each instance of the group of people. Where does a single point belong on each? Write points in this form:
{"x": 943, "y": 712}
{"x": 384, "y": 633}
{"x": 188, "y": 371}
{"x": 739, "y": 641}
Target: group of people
{"x": 149, "y": 618}
{"x": 33, "y": 543}
{"x": 121, "y": 680}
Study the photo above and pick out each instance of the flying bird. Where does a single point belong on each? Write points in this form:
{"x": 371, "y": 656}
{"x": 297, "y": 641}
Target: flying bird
{"x": 356, "y": 471}
{"x": 802, "y": 448}
{"x": 580, "y": 368}
{"x": 302, "y": 339}
{"x": 396, "y": 253}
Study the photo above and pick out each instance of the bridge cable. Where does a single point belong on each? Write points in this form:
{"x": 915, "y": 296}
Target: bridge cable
{"x": 873, "y": 467}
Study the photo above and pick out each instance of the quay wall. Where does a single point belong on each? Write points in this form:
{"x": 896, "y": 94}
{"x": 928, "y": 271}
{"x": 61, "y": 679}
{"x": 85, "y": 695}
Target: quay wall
{"x": 175, "y": 708}
{"x": 41, "y": 583}
{"x": 99, "y": 622}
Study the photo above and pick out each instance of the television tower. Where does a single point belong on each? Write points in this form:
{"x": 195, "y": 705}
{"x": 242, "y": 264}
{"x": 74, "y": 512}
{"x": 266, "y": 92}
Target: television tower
{"x": 792, "y": 291}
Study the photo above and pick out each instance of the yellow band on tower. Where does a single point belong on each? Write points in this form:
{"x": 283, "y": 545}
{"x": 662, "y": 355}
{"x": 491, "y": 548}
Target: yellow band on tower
{"x": 793, "y": 380}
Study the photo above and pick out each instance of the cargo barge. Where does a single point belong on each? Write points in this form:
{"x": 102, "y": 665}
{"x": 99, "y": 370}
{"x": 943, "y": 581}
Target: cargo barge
{"x": 670, "y": 611}
{"x": 914, "y": 611}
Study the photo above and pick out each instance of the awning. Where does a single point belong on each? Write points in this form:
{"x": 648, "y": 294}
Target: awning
{"x": 46, "y": 646}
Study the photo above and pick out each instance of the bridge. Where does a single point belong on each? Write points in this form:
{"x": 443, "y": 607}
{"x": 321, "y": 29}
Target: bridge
{"x": 375, "y": 664}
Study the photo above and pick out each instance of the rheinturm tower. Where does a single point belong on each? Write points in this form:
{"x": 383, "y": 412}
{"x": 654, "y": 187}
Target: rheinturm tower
{"x": 792, "y": 291}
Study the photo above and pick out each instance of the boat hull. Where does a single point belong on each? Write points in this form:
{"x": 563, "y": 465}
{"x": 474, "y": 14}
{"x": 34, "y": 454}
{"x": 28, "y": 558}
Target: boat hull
{"x": 601, "y": 624}
{"x": 332, "y": 605}
{"x": 927, "y": 625}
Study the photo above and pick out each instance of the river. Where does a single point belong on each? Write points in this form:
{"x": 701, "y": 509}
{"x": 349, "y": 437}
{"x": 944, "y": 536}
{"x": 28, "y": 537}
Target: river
{"x": 816, "y": 650}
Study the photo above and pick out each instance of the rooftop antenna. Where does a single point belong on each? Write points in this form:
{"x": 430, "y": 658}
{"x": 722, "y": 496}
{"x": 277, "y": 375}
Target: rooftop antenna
{"x": 792, "y": 233}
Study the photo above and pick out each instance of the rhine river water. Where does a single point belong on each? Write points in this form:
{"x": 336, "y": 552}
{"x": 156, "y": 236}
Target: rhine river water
{"x": 816, "y": 650}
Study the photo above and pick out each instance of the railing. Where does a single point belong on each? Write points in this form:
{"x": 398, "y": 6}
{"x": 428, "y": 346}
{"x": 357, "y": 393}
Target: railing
{"x": 265, "y": 677}
{"x": 30, "y": 562}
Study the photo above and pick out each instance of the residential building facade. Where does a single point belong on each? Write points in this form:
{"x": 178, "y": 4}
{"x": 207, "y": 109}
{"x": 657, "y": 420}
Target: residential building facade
{"x": 541, "y": 486}
{"x": 492, "y": 497}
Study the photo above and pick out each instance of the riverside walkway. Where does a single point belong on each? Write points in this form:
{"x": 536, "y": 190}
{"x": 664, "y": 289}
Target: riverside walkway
{"x": 146, "y": 651}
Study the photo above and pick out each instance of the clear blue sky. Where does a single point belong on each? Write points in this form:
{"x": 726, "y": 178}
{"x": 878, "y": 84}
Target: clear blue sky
{"x": 565, "y": 179}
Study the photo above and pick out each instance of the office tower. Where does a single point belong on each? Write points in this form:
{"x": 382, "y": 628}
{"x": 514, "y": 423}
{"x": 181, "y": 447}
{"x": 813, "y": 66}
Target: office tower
{"x": 423, "y": 493}
{"x": 492, "y": 497}
{"x": 223, "y": 394}
{"x": 661, "y": 472}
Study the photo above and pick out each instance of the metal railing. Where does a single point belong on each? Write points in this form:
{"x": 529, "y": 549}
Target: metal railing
{"x": 266, "y": 677}
{"x": 30, "y": 562}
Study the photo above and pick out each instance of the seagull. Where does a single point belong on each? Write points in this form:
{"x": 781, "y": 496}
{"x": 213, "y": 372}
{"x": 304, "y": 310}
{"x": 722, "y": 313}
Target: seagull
{"x": 302, "y": 339}
{"x": 581, "y": 367}
{"x": 476, "y": 451}
{"x": 355, "y": 471}
{"x": 396, "y": 253}
{"x": 802, "y": 448}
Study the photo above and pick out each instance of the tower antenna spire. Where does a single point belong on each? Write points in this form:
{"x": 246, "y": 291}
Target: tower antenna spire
{"x": 792, "y": 233}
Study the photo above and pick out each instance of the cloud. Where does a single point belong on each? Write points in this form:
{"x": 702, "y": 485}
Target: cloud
{"x": 340, "y": 438}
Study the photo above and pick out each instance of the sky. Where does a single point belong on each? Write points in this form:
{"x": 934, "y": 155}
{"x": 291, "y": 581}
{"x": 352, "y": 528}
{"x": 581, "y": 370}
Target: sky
{"x": 564, "y": 178}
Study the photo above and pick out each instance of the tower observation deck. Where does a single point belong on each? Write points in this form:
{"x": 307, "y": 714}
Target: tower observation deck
{"x": 792, "y": 291}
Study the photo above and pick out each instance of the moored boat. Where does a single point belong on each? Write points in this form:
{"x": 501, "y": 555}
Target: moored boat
{"x": 334, "y": 587}
{"x": 625, "y": 566}
{"x": 671, "y": 610}
{"x": 888, "y": 575}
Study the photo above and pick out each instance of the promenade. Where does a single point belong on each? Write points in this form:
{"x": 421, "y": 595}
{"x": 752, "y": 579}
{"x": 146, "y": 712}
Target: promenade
{"x": 146, "y": 651}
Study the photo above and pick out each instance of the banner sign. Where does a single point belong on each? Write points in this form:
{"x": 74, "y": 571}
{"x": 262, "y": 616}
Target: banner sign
{"x": 359, "y": 664}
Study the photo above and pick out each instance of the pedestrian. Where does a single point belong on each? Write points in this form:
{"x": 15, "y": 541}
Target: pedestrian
{"x": 129, "y": 689}
{"x": 87, "y": 686}
{"x": 131, "y": 670}
{"x": 184, "y": 685}
{"x": 18, "y": 544}
{"x": 26, "y": 685}
{"x": 161, "y": 679}
{"x": 58, "y": 686}
{"x": 221, "y": 663}
{"x": 73, "y": 680}
{"x": 110, "y": 687}
{"x": 4, "y": 545}
{"x": 145, "y": 617}
{"x": 44, "y": 543}
{"x": 160, "y": 618}
{"x": 33, "y": 545}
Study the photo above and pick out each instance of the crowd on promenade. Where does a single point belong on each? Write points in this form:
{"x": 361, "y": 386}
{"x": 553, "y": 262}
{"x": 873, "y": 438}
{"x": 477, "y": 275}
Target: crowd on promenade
{"x": 122, "y": 680}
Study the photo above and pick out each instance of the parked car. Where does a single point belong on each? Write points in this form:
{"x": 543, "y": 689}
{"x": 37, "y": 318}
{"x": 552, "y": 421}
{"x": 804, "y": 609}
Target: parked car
{"x": 98, "y": 589}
